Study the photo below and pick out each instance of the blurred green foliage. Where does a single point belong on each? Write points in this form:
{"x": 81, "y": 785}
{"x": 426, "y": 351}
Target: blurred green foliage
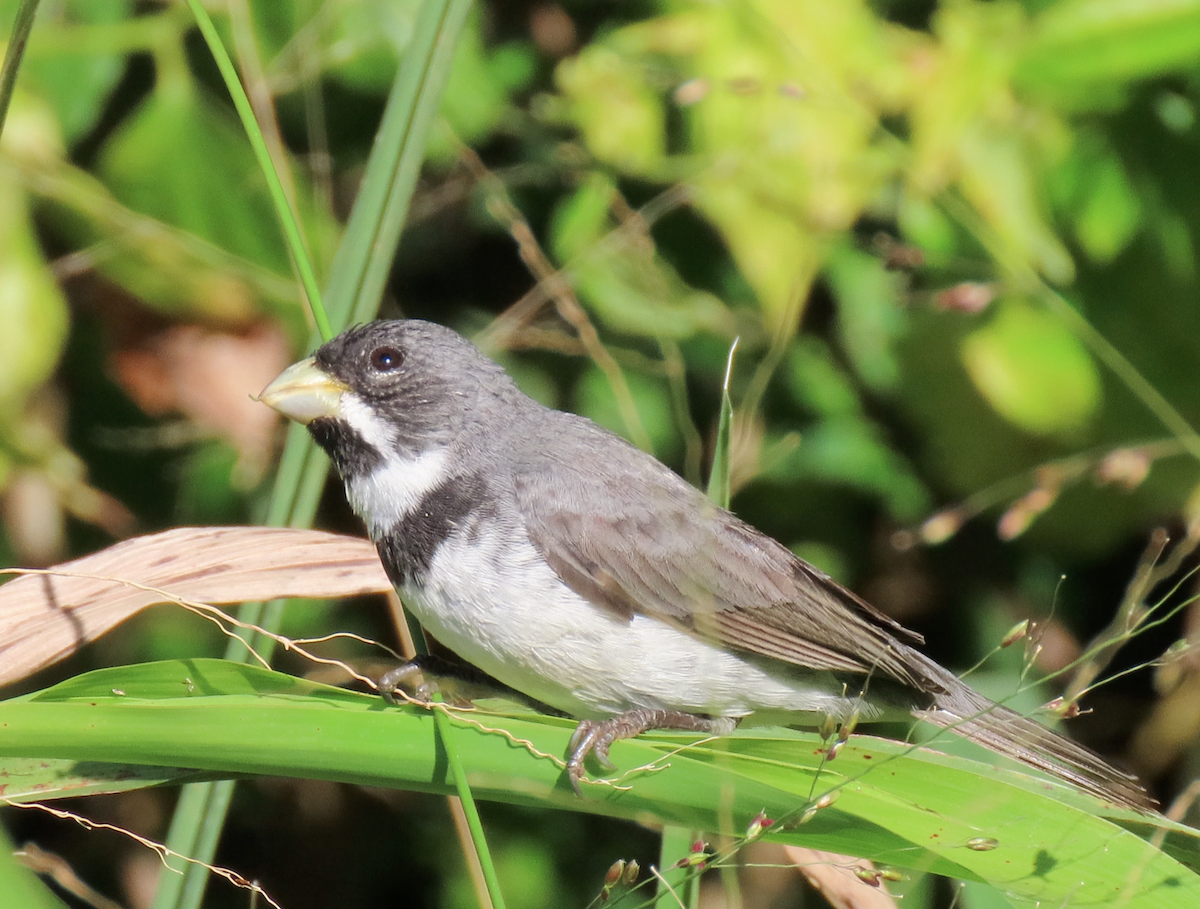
{"x": 886, "y": 202}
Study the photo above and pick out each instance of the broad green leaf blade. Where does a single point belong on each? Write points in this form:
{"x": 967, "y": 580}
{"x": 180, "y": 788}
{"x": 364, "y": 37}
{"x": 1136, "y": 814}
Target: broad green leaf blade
{"x": 1034, "y": 839}
{"x": 39, "y": 779}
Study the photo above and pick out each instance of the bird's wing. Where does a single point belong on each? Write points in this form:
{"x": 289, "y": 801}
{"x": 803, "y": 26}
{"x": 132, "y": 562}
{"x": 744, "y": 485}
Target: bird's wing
{"x": 629, "y": 535}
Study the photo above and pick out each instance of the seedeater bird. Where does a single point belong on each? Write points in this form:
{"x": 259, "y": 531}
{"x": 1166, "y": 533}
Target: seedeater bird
{"x": 580, "y": 571}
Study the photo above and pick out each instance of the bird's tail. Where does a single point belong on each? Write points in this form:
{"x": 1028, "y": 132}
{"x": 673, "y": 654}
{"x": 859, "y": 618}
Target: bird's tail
{"x": 964, "y": 712}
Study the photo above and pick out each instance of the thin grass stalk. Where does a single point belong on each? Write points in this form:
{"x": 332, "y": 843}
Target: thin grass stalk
{"x": 283, "y": 207}
{"x": 356, "y": 283}
{"x": 677, "y": 841}
{"x": 22, "y": 26}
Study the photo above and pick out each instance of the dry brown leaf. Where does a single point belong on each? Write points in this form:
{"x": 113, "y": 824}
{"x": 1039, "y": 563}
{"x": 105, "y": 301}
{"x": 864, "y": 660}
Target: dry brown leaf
{"x": 209, "y": 375}
{"x": 834, "y": 877}
{"x": 49, "y": 615}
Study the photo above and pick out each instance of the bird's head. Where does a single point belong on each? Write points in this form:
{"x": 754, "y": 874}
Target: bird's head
{"x": 391, "y": 387}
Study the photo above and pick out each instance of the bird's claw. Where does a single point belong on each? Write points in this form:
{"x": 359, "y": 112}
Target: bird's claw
{"x": 595, "y": 737}
{"x": 400, "y": 679}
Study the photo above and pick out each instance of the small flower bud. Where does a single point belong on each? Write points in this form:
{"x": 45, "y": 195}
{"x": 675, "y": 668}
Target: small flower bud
{"x": 868, "y": 875}
{"x": 1018, "y": 632}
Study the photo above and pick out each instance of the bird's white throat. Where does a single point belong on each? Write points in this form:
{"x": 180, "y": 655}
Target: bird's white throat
{"x": 394, "y": 489}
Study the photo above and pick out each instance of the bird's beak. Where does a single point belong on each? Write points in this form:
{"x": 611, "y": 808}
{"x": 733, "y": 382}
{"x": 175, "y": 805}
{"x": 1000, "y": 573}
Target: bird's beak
{"x": 304, "y": 393}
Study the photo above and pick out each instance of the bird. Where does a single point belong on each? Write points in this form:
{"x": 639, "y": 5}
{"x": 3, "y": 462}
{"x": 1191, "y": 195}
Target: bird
{"x": 580, "y": 571}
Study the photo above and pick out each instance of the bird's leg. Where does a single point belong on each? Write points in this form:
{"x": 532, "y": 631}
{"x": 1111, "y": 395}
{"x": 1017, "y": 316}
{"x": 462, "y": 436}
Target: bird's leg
{"x": 429, "y": 668}
{"x": 596, "y": 736}
{"x": 459, "y": 683}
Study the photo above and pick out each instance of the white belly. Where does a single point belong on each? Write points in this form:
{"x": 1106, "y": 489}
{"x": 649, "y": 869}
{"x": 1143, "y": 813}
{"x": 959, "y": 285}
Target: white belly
{"x": 509, "y": 614}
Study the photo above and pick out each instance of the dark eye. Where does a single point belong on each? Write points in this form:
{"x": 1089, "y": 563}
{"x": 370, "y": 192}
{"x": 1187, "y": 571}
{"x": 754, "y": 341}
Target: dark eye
{"x": 385, "y": 359}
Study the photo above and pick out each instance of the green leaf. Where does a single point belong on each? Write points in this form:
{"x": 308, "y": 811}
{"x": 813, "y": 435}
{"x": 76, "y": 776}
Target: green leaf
{"x": 74, "y": 62}
{"x": 1109, "y": 213}
{"x": 905, "y": 806}
{"x": 869, "y": 319}
{"x": 1078, "y": 44}
{"x": 593, "y": 396}
{"x": 1032, "y": 370}
{"x": 33, "y": 311}
{"x": 181, "y": 159}
{"x": 626, "y": 282}
{"x": 621, "y": 117}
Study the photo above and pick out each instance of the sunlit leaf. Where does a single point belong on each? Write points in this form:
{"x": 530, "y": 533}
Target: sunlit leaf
{"x": 33, "y": 311}
{"x": 1032, "y": 370}
{"x": 1077, "y": 44}
{"x": 912, "y": 808}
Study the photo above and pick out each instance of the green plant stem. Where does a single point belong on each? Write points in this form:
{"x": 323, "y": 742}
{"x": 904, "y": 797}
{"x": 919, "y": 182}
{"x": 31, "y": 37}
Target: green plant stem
{"x": 287, "y": 215}
{"x": 677, "y": 841}
{"x": 22, "y": 26}
{"x": 684, "y": 881}
{"x": 362, "y": 264}
{"x": 356, "y": 282}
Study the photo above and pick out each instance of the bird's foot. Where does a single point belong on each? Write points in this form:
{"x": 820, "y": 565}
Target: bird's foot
{"x": 425, "y": 675}
{"x": 596, "y": 736}
{"x": 407, "y": 682}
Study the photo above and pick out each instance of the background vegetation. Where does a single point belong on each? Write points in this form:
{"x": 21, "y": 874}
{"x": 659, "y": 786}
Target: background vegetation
{"x": 957, "y": 242}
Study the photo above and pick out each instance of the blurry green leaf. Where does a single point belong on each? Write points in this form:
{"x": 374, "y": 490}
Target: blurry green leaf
{"x": 844, "y": 446}
{"x": 817, "y": 382}
{"x": 366, "y": 41}
{"x": 1109, "y": 215}
{"x": 1176, "y": 111}
{"x": 781, "y": 104}
{"x": 1078, "y": 43}
{"x": 849, "y": 450}
{"x": 33, "y": 311}
{"x": 626, "y": 283}
{"x": 963, "y": 94}
{"x": 477, "y": 97}
{"x": 777, "y": 256}
{"x": 167, "y": 268}
{"x": 528, "y": 873}
{"x": 621, "y": 118}
{"x": 72, "y": 66}
{"x": 829, "y": 559}
{"x": 1032, "y": 370}
{"x": 869, "y": 317}
{"x": 998, "y": 180}
{"x": 927, "y": 227}
{"x": 182, "y": 160}
{"x": 533, "y": 380}
{"x": 593, "y": 397}
{"x": 583, "y": 217}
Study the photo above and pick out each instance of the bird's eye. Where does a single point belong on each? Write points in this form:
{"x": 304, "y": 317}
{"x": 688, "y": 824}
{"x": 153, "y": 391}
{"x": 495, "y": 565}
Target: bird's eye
{"x": 385, "y": 359}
